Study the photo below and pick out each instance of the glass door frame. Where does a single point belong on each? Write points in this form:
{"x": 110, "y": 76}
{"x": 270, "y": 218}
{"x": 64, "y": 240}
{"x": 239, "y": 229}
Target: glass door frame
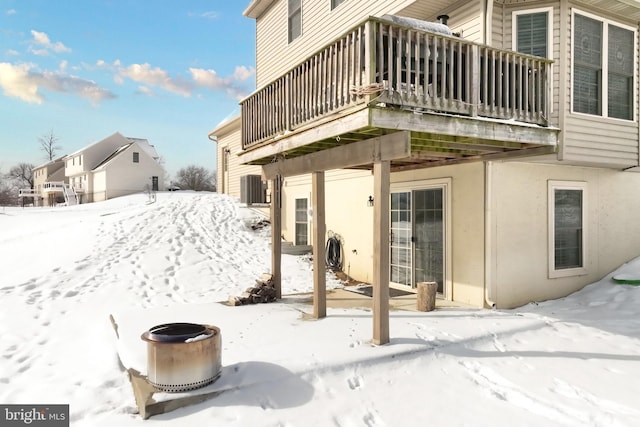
{"x": 445, "y": 185}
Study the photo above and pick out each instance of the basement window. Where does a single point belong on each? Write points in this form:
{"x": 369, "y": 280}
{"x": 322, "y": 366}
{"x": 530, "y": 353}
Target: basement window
{"x": 567, "y": 237}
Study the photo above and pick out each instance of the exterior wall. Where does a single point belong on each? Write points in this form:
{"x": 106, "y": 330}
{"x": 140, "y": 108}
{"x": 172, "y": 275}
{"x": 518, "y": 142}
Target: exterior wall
{"x": 228, "y": 182}
{"x": 466, "y": 281}
{"x": 122, "y": 176}
{"x": 519, "y": 230}
{"x": 592, "y": 140}
{"x": 100, "y": 182}
{"x": 275, "y": 56}
{"x": 346, "y": 214}
{"x": 468, "y": 20}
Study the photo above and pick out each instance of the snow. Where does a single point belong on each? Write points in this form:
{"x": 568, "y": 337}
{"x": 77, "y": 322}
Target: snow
{"x": 66, "y": 270}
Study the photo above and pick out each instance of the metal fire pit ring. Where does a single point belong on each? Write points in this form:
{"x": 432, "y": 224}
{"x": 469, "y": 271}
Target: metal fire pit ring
{"x": 182, "y": 356}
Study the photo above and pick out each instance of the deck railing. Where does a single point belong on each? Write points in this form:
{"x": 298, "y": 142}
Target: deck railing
{"x": 388, "y": 64}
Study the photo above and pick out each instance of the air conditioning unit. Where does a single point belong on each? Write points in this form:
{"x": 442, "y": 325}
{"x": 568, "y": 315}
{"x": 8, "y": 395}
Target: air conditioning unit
{"x": 252, "y": 189}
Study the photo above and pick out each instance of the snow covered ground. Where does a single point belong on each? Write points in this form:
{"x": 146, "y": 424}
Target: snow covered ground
{"x": 65, "y": 270}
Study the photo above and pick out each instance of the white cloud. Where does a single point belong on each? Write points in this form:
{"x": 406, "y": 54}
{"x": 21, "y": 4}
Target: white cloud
{"x": 144, "y": 90}
{"x": 42, "y": 40}
{"x": 16, "y": 81}
{"x": 21, "y": 81}
{"x": 12, "y": 52}
{"x": 211, "y": 15}
{"x": 11, "y": 12}
{"x": 211, "y": 80}
{"x": 143, "y": 73}
{"x": 242, "y": 73}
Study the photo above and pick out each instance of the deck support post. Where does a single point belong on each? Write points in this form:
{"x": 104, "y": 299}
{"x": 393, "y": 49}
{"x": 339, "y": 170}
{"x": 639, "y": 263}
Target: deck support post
{"x": 319, "y": 229}
{"x": 276, "y": 232}
{"x": 381, "y": 182}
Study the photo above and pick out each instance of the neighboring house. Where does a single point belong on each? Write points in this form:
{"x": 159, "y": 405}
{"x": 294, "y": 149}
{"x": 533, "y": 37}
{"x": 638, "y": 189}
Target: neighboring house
{"x": 496, "y": 140}
{"x": 233, "y": 178}
{"x": 112, "y": 167}
{"x": 43, "y": 193}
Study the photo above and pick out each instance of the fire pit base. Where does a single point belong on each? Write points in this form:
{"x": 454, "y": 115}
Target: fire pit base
{"x": 182, "y": 356}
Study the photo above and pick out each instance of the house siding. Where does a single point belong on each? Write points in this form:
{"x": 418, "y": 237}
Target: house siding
{"x": 122, "y": 176}
{"x": 229, "y": 183}
{"x": 593, "y": 140}
{"x": 275, "y": 56}
{"x": 503, "y": 21}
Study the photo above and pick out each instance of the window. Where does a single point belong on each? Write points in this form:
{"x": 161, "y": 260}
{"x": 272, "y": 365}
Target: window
{"x": 136, "y": 157}
{"x": 154, "y": 183}
{"x": 603, "y": 67}
{"x": 533, "y": 32}
{"x": 567, "y": 228}
{"x": 302, "y": 224}
{"x": 295, "y": 19}
{"x": 335, "y": 3}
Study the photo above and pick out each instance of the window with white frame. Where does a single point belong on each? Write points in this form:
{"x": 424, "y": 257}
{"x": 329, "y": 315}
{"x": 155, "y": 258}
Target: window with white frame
{"x": 302, "y": 222}
{"x": 335, "y": 3}
{"x": 533, "y": 31}
{"x": 567, "y": 236}
{"x": 136, "y": 157}
{"x": 603, "y": 67}
{"x": 295, "y": 19}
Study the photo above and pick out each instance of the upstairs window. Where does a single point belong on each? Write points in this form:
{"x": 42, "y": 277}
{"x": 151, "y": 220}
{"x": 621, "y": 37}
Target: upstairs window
{"x": 295, "y": 19}
{"x": 136, "y": 157}
{"x": 533, "y": 32}
{"x": 335, "y": 3}
{"x": 603, "y": 67}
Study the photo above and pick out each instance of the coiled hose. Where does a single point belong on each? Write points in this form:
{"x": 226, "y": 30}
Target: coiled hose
{"x": 333, "y": 253}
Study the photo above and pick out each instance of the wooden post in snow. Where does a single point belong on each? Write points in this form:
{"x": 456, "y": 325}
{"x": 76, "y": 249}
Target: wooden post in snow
{"x": 276, "y": 232}
{"x": 319, "y": 267}
{"x": 381, "y": 181}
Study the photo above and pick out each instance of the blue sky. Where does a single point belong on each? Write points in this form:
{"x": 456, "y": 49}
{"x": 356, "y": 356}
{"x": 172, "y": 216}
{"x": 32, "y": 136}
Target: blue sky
{"x": 165, "y": 70}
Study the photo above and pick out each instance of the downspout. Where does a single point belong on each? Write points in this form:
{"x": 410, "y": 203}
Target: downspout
{"x": 489, "y": 282}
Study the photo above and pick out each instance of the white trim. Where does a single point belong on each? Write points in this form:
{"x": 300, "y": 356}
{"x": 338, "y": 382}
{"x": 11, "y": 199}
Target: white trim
{"x": 514, "y": 26}
{"x": 514, "y": 38}
{"x": 605, "y": 65}
{"x": 566, "y": 185}
{"x": 445, "y": 184}
{"x": 296, "y": 222}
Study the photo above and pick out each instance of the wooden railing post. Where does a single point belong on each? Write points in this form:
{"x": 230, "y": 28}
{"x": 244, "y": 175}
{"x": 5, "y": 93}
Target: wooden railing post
{"x": 288, "y": 102}
{"x": 370, "y": 59}
{"x": 475, "y": 80}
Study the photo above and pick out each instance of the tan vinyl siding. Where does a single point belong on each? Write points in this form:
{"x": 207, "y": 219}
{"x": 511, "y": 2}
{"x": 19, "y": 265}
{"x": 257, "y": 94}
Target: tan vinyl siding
{"x": 497, "y": 26}
{"x": 320, "y": 25}
{"x": 468, "y": 21}
{"x": 594, "y": 140}
{"x": 230, "y": 183}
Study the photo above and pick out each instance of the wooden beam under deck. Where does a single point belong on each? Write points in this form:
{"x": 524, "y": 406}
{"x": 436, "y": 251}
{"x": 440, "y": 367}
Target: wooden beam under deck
{"x": 384, "y": 148}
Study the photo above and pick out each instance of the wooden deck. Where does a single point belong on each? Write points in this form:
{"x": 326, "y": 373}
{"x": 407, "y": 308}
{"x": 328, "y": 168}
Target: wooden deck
{"x": 459, "y": 99}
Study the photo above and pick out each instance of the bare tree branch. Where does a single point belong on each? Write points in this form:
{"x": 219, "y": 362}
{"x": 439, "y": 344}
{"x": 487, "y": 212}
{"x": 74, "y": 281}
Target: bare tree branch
{"x": 22, "y": 174}
{"x": 195, "y": 178}
{"x": 48, "y": 144}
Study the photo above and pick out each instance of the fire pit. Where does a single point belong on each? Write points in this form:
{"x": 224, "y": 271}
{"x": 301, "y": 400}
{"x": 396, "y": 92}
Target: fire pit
{"x": 182, "y": 356}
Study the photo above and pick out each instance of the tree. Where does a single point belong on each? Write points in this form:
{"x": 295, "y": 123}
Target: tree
{"x": 48, "y": 144}
{"x": 22, "y": 174}
{"x": 8, "y": 194}
{"x": 196, "y": 178}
